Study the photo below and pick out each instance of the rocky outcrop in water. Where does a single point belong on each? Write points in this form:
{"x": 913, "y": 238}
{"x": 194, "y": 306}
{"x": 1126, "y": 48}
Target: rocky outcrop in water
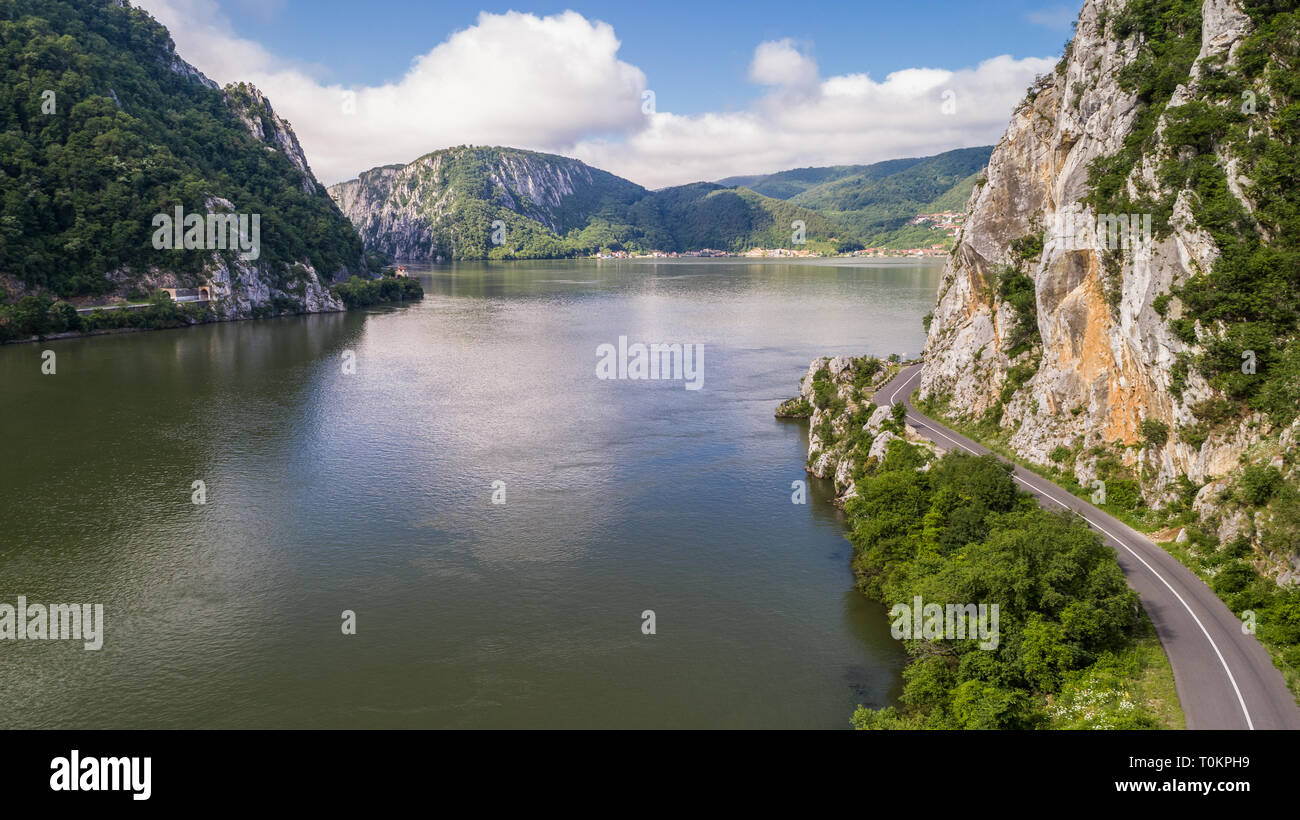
{"x": 848, "y": 434}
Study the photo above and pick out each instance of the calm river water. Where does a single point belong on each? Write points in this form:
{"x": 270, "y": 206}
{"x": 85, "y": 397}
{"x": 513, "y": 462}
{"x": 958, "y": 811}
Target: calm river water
{"x": 372, "y": 492}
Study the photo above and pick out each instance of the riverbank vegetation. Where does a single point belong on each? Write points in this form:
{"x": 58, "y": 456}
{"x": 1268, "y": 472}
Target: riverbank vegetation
{"x": 1258, "y": 495}
{"x": 40, "y": 315}
{"x": 1075, "y": 649}
{"x": 358, "y": 292}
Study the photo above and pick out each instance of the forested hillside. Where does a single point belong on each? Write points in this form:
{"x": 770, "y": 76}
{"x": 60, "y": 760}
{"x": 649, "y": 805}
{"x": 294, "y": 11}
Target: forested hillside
{"x": 445, "y": 205}
{"x": 103, "y": 126}
{"x": 873, "y": 203}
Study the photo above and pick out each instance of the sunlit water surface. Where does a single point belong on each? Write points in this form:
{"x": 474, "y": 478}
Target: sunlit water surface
{"x": 372, "y": 492}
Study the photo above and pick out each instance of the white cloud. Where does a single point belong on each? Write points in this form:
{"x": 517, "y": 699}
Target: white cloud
{"x": 779, "y": 63}
{"x": 848, "y": 120}
{"x": 556, "y": 84}
{"x": 205, "y": 38}
{"x": 510, "y": 79}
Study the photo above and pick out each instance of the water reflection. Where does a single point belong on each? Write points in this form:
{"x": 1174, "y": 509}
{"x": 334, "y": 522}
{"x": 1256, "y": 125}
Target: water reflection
{"x": 372, "y": 492}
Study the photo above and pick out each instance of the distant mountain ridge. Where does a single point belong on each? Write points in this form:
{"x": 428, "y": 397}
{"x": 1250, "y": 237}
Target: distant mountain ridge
{"x": 873, "y": 203}
{"x": 788, "y": 184}
{"x": 474, "y": 202}
{"x": 446, "y": 204}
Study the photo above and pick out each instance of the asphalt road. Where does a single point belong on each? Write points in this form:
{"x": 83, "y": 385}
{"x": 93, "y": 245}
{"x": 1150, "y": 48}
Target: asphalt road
{"x": 1225, "y": 678}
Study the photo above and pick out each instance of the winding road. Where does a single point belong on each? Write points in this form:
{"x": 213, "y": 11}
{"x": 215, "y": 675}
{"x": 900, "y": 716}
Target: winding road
{"x": 1225, "y": 678}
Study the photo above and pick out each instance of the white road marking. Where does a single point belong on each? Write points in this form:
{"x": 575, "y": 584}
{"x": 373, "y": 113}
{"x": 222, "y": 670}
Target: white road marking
{"x": 1250, "y": 724}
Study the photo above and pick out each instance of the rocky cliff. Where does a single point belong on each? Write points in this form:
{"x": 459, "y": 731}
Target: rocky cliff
{"x": 849, "y": 436}
{"x": 240, "y": 287}
{"x": 444, "y": 204}
{"x": 151, "y": 135}
{"x": 475, "y": 202}
{"x": 1083, "y": 316}
{"x": 255, "y": 112}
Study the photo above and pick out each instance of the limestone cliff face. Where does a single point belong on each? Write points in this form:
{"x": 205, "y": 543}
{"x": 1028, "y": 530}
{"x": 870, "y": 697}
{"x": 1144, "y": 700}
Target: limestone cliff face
{"x": 385, "y": 222}
{"x": 255, "y": 111}
{"x": 1105, "y": 356}
{"x": 239, "y": 286}
{"x": 442, "y": 203}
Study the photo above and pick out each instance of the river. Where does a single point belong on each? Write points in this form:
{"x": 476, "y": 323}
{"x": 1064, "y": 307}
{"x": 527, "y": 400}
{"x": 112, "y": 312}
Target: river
{"x": 348, "y": 463}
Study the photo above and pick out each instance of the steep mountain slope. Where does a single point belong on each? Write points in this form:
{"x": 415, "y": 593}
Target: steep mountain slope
{"x": 874, "y": 206}
{"x": 1160, "y": 363}
{"x": 706, "y": 215}
{"x": 445, "y": 205}
{"x": 912, "y": 182}
{"x": 103, "y": 128}
{"x": 873, "y": 203}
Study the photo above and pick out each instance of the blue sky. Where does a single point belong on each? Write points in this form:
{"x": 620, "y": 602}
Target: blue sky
{"x": 662, "y": 93}
{"x": 676, "y": 42}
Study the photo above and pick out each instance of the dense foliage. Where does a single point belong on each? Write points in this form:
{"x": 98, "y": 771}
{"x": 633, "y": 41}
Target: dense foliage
{"x": 358, "y": 292}
{"x": 789, "y": 184}
{"x": 1231, "y": 571}
{"x": 874, "y": 203}
{"x": 128, "y": 138}
{"x": 41, "y": 315}
{"x": 905, "y": 192}
{"x": 961, "y": 533}
{"x": 704, "y": 215}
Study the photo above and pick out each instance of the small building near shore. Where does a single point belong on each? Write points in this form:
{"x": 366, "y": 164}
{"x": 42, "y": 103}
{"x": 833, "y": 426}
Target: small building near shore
{"x": 203, "y": 293}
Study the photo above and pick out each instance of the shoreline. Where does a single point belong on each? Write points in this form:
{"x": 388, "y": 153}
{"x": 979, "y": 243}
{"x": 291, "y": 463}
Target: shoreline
{"x": 115, "y": 331}
{"x": 354, "y": 294}
{"x": 879, "y": 464}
